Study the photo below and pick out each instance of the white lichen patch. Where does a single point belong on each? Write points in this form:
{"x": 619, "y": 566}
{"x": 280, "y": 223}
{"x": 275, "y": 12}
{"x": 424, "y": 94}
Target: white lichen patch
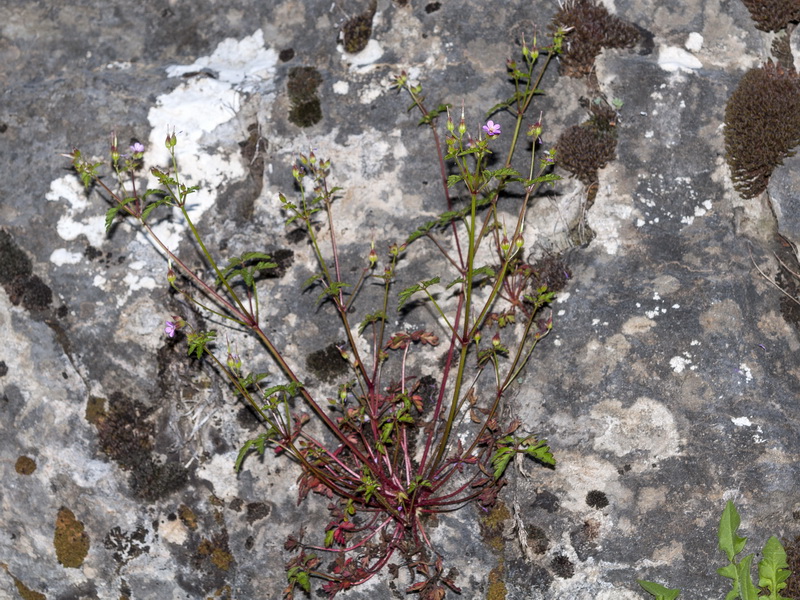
{"x": 746, "y": 372}
{"x": 694, "y": 43}
{"x": 647, "y": 427}
{"x": 680, "y": 363}
{"x": 62, "y": 256}
{"x": 196, "y": 109}
{"x": 758, "y": 432}
{"x": 75, "y": 222}
{"x": 673, "y": 59}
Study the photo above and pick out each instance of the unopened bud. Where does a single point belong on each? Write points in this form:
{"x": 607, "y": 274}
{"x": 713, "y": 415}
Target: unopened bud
{"x": 496, "y": 339}
{"x": 114, "y": 148}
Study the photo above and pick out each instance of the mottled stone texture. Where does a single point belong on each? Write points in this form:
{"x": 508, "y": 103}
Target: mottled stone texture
{"x": 669, "y": 385}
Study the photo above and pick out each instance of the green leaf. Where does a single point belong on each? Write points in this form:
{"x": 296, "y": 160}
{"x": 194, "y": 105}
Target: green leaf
{"x": 729, "y": 542}
{"x": 500, "y": 173}
{"x": 258, "y": 444}
{"x": 110, "y": 214}
{"x": 541, "y": 452}
{"x": 454, "y": 179}
{"x": 417, "y": 287}
{"x": 149, "y": 208}
{"x": 371, "y": 318}
{"x": 502, "y": 456}
{"x": 455, "y": 281}
{"x": 659, "y": 591}
{"x": 198, "y": 342}
{"x": 773, "y": 569}
{"x": 541, "y": 179}
{"x": 747, "y": 590}
{"x": 311, "y": 280}
{"x": 329, "y": 537}
{"x": 333, "y": 290}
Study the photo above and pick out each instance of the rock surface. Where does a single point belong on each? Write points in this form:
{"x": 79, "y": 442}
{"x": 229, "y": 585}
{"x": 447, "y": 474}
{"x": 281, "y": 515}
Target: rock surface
{"x": 668, "y": 386}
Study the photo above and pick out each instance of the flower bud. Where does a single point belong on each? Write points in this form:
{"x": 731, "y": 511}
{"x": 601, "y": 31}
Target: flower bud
{"x": 171, "y": 140}
{"x": 114, "y": 148}
{"x": 234, "y": 362}
{"x": 496, "y": 339}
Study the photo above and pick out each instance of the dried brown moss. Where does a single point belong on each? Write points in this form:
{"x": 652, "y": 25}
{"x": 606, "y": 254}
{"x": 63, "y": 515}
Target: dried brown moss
{"x": 762, "y": 126}
{"x": 585, "y": 149}
{"x": 773, "y": 15}
{"x": 593, "y": 28}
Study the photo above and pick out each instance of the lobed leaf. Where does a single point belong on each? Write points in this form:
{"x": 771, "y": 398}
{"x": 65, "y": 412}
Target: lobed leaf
{"x": 659, "y": 591}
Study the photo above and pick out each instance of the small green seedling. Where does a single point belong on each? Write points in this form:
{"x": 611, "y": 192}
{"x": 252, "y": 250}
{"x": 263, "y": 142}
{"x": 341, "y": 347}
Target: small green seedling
{"x": 773, "y": 569}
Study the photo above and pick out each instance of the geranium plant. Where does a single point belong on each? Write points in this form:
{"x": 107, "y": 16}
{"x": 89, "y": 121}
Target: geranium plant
{"x": 397, "y": 444}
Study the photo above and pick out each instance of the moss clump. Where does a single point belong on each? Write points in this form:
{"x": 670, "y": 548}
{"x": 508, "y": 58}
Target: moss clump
{"x": 16, "y": 276}
{"x": 773, "y": 15}
{"x": 70, "y": 541}
{"x": 586, "y": 148}
{"x": 593, "y": 28}
{"x": 301, "y": 86}
{"x": 327, "y": 363}
{"x": 356, "y": 32}
{"x": 126, "y": 436}
{"x": 25, "y": 465}
{"x": 762, "y": 126}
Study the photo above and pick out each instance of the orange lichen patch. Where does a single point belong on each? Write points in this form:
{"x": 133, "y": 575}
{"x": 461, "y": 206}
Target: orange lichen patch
{"x": 497, "y": 587}
{"x": 70, "y": 540}
{"x": 25, "y": 465}
{"x": 27, "y": 593}
{"x": 217, "y": 552}
{"x": 187, "y": 516}
{"x": 95, "y": 409}
{"x": 23, "y": 590}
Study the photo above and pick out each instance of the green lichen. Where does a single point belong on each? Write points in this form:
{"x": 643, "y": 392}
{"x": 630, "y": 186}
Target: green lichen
{"x": 70, "y": 540}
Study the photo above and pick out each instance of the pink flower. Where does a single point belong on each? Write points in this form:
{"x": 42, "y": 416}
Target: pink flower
{"x": 170, "y": 328}
{"x": 492, "y": 129}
